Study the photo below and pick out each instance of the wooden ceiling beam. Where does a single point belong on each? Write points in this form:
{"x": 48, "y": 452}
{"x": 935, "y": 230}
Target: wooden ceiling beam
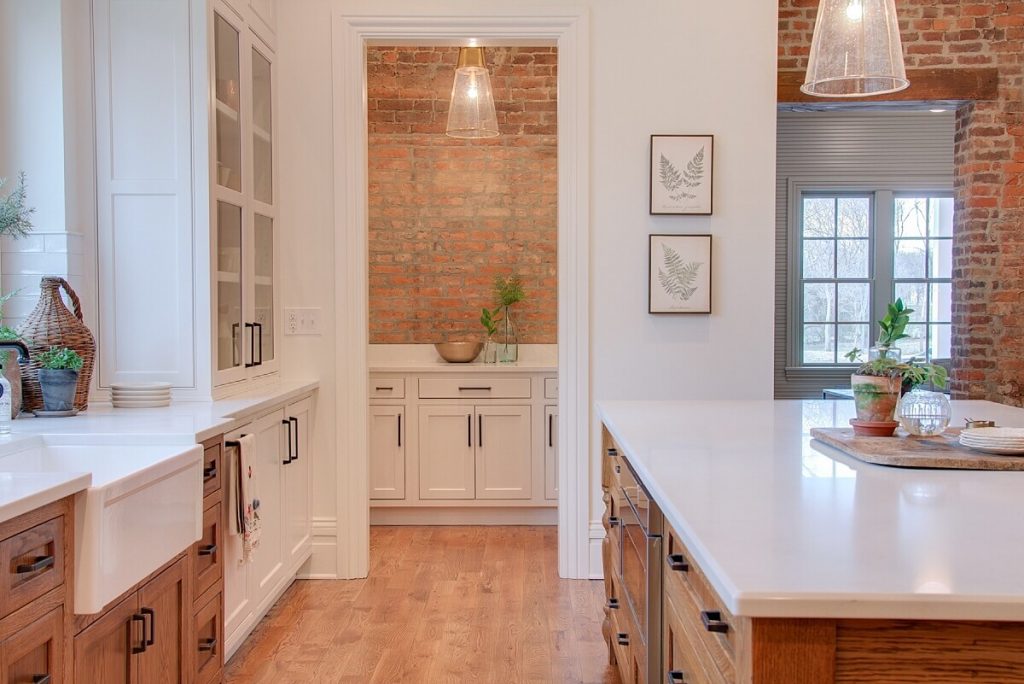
{"x": 925, "y": 84}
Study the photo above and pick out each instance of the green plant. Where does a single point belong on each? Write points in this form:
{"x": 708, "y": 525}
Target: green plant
{"x": 894, "y": 324}
{"x": 509, "y": 291}
{"x": 912, "y": 374}
{"x": 14, "y": 215}
{"x": 489, "y": 319}
{"x": 60, "y": 358}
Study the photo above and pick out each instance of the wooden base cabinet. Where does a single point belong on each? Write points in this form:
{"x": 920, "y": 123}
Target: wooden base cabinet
{"x": 143, "y": 639}
{"x": 35, "y": 653}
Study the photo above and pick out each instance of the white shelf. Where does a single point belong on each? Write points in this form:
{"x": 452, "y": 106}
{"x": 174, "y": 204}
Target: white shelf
{"x": 228, "y": 277}
{"x": 227, "y": 111}
{"x": 260, "y": 134}
{"x": 265, "y": 281}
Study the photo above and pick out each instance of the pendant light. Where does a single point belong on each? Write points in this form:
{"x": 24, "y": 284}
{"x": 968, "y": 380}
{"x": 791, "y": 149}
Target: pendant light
{"x": 471, "y": 112}
{"x": 856, "y": 50}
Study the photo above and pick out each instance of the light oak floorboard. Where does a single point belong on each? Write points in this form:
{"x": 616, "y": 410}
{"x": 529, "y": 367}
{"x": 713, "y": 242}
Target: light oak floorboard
{"x": 441, "y": 604}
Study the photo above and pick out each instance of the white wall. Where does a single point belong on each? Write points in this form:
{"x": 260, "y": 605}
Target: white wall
{"x": 660, "y": 66}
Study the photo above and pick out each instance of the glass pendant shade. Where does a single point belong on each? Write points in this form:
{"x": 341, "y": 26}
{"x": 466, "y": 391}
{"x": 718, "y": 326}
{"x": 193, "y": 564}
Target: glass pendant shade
{"x": 471, "y": 112}
{"x": 856, "y": 50}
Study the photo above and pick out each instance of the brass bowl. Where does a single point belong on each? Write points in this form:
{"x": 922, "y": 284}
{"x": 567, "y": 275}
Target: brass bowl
{"x": 459, "y": 352}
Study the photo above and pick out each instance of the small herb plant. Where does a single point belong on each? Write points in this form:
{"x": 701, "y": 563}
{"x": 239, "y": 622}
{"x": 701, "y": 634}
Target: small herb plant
{"x": 60, "y": 358}
{"x": 912, "y": 374}
{"x": 893, "y": 326}
{"x": 14, "y": 215}
{"x": 488, "y": 319}
{"x": 508, "y": 291}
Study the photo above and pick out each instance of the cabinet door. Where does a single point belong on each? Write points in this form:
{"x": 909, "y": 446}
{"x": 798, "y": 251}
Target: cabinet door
{"x": 298, "y": 500}
{"x": 237, "y": 603}
{"x": 231, "y": 346}
{"x": 103, "y": 650}
{"x": 387, "y": 452}
{"x": 208, "y": 552}
{"x": 167, "y": 605}
{"x": 268, "y": 461}
{"x": 446, "y": 452}
{"x": 503, "y": 452}
{"x": 36, "y": 652}
{"x": 551, "y": 452}
{"x": 208, "y": 639}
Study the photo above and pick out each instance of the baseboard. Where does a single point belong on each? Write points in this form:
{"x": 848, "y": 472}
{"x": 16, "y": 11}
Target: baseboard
{"x": 464, "y": 516}
{"x": 323, "y": 564}
{"x": 596, "y": 557}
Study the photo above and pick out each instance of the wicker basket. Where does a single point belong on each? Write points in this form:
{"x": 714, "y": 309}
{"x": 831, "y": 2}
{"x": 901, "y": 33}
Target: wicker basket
{"x": 51, "y": 325}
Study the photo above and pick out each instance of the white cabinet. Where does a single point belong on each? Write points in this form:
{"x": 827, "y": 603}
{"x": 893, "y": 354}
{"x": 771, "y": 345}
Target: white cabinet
{"x": 243, "y": 211}
{"x": 503, "y": 452}
{"x": 387, "y": 452}
{"x": 446, "y": 453}
{"x": 298, "y": 484}
{"x": 271, "y": 452}
{"x": 551, "y": 453}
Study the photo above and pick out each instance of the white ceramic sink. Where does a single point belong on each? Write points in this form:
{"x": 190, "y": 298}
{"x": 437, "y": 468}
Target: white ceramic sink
{"x": 143, "y": 508}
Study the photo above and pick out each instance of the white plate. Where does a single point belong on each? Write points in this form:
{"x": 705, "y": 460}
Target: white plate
{"x": 140, "y": 386}
{"x": 141, "y": 404}
{"x": 997, "y": 451}
{"x": 141, "y": 395}
{"x": 1010, "y": 444}
{"x": 994, "y": 433}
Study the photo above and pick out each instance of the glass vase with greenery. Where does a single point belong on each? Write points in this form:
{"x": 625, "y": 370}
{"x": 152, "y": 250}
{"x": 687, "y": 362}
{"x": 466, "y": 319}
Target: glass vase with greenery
{"x": 502, "y": 333}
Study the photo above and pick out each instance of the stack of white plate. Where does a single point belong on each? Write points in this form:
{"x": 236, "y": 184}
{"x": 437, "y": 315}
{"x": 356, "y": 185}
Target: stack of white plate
{"x": 141, "y": 395}
{"x": 995, "y": 440}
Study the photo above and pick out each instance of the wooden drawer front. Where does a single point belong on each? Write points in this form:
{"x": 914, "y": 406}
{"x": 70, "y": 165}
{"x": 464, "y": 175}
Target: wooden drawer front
{"x": 626, "y": 646}
{"x": 550, "y": 388}
{"x": 696, "y": 603}
{"x": 208, "y": 551}
{"x": 213, "y": 471}
{"x": 615, "y": 535}
{"x": 209, "y": 645}
{"x": 387, "y": 388}
{"x": 475, "y": 388}
{"x": 33, "y": 564}
{"x": 35, "y": 652}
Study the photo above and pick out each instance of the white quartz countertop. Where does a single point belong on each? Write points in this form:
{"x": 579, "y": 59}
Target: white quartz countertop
{"x": 423, "y": 358}
{"x": 24, "y": 492}
{"x": 784, "y": 528}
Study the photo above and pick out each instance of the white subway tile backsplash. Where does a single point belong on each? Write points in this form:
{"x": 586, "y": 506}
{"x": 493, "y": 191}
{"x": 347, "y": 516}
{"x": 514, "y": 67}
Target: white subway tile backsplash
{"x": 38, "y": 263}
{"x": 31, "y": 243}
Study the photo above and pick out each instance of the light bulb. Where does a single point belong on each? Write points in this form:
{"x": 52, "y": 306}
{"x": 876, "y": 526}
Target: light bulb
{"x": 855, "y": 10}
{"x": 472, "y": 92}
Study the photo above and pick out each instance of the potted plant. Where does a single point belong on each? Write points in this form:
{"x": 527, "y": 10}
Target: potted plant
{"x": 503, "y": 337}
{"x": 892, "y": 329}
{"x": 58, "y": 377}
{"x": 877, "y": 386}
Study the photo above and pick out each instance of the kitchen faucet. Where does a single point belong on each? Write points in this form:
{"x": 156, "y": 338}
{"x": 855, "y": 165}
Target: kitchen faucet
{"x": 18, "y": 346}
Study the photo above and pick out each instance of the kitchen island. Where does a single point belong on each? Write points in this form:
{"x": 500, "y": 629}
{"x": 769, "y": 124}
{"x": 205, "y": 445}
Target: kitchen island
{"x": 783, "y": 560}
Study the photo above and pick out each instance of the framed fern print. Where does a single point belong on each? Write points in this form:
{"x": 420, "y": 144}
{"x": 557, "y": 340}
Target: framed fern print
{"x": 682, "y": 174}
{"x": 680, "y": 277}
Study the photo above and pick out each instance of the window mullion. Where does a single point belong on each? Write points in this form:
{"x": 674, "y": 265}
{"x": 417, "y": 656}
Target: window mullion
{"x": 883, "y": 236}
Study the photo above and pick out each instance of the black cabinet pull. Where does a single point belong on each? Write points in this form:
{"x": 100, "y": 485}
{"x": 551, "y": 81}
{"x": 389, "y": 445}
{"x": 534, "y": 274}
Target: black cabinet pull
{"x": 551, "y": 433}
{"x": 208, "y": 550}
{"x": 622, "y": 638}
{"x": 612, "y": 453}
{"x": 209, "y": 472}
{"x": 207, "y": 645}
{"x": 252, "y": 345}
{"x": 613, "y": 603}
{"x": 469, "y": 431}
{"x": 41, "y": 679}
{"x": 713, "y": 622}
{"x": 384, "y": 389}
{"x": 613, "y": 521}
{"x": 618, "y": 469}
{"x": 480, "y": 429}
{"x": 259, "y": 326}
{"x": 40, "y": 563}
{"x": 236, "y": 349}
{"x": 291, "y": 457}
{"x": 675, "y": 677}
{"x": 141, "y": 648}
{"x": 295, "y": 420}
{"x": 677, "y": 562}
{"x": 399, "y": 429}
{"x": 151, "y": 614}
{"x": 475, "y": 389}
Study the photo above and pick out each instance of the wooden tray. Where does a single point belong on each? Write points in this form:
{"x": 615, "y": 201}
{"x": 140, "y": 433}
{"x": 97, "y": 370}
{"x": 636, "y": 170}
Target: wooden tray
{"x": 906, "y": 451}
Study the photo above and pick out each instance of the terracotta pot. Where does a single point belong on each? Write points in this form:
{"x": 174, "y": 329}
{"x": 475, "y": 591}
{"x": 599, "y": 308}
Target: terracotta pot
{"x": 876, "y": 397}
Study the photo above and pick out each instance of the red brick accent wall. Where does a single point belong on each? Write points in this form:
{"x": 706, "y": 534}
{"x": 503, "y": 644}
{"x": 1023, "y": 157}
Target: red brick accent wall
{"x": 988, "y": 287}
{"x": 446, "y": 215}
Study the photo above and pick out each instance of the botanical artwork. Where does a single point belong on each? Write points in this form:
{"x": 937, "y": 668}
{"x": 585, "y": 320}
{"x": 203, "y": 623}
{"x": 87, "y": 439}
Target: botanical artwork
{"x": 681, "y": 174}
{"x": 680, "y": 277}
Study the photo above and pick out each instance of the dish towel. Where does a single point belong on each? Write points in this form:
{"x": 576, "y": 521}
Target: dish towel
{"x": 243, "y": 498}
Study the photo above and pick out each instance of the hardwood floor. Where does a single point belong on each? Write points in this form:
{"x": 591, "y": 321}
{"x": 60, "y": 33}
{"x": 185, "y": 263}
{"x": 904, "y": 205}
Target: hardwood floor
{"x": 441, "y": 604}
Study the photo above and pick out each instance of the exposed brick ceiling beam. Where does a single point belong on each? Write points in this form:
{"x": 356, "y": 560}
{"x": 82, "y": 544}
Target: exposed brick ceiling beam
{"x": 962, "y": 83}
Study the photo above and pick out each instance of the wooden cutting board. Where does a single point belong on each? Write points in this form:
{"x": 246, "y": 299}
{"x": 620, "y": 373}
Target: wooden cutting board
{"x": 906, "y": 451}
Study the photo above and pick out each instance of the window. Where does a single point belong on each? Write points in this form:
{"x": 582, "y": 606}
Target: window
{"x": 857, "y": 251}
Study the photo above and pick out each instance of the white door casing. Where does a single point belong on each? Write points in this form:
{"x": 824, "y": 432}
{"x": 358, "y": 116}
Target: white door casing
{"x": 568, "y": 29}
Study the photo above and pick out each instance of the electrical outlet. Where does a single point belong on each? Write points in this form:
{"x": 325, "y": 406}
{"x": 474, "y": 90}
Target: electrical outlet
{"x": 302, "y": 321}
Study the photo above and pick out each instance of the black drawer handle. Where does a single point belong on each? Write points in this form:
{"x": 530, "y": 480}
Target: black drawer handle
{"x": 40, "y": 563}
{"x": 622, "y": 638}
{"x": 474, "y": 389}
{"x": 151, "y": 614}
{"x": 209, "y": 472}
{"x": 291, "y": 456}
{"x": 613, "y": 603}
{"x": 713, "y": 621}
{"x": 141, "y": 648}
{"x": 675, "y": 677}
{"x": 612, "y": 521}
{"x": 207, "y": 645}
{"x": 677, "y": 562}
{"x": 384, "y": 389}
{"x": 612, "y": 453}
{"x": 41, "y": 679}
{"x": 208, "y": 550}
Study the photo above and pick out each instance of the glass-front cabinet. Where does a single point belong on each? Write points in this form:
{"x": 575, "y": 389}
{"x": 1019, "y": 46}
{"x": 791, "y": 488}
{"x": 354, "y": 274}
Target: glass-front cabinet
{"x": 244, "y": 210}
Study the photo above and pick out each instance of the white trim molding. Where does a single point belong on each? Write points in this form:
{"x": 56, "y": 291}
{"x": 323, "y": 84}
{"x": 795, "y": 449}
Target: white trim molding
{"x": 568, "y": 29}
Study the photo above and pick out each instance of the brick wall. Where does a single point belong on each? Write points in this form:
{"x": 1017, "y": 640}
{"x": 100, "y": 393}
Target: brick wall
{"x": 988, "y": 287}
{"x": 446, "y": 215}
